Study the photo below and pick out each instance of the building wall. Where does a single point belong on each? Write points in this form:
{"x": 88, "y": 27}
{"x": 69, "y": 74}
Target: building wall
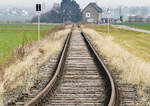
{"x": 100, "y": 17}
{"x": 138, "y": 19}
{"x": 94, "y": 18}
{"x": 148, "y": 19}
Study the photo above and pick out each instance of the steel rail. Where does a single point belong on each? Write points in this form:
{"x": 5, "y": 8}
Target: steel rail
{"x": 37, "y": 99}
{"x": 113, "y": 94}
{"x": 113, "y": 100}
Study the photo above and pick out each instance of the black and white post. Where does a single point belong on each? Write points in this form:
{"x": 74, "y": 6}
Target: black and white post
{"x": 38, "y": 9}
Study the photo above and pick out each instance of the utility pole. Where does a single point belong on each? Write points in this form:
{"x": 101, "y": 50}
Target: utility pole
{"x": 108, "y": 26}
{"x": 120, "y": 13}
{"x": 43, "y": 6}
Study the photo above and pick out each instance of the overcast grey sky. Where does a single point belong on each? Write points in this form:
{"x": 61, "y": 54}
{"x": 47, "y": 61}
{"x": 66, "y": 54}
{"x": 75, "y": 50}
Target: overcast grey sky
{"x": 83, "y": 3}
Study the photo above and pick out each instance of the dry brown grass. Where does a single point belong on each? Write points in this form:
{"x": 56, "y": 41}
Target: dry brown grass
{"x": 16, "y": 71}
{"x": 144, "y": 100}
{"x": 133, "y": 69}
{"x": 22, "y": 51}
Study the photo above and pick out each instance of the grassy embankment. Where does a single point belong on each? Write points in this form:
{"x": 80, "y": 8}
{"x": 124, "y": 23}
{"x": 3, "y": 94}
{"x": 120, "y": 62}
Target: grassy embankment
{"x": 27, "y": 67}
{"x": 139, "y": 25}
{"x": 127, "y": 53}
{"x": 13, "y": 35}
{"x": 26, "y": 70}
{"x": 137, "y": 43}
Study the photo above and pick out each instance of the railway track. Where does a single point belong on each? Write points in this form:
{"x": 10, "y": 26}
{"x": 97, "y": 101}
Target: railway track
{"x": 81, "y": 78}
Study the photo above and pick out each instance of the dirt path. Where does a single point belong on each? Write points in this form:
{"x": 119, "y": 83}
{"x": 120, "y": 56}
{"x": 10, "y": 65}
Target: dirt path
{"x": 131, "y": 28}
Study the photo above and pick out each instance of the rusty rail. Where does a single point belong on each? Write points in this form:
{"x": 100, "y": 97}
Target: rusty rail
{"x": 36, "y": 100}
{"x": 113, "y": 96}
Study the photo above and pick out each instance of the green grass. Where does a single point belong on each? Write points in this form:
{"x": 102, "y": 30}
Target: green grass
{"x": 139, "y": 25}
{"x": 12, "y": 35}
{"x": 136, "y": 43}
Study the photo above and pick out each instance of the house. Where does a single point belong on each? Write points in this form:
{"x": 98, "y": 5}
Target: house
{"x": 92, "y": 14}
{"x": 135, "y": 18}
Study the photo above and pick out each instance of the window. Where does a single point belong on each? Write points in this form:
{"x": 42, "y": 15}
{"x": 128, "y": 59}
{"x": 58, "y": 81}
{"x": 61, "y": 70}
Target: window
{"x": 88, "y": 14}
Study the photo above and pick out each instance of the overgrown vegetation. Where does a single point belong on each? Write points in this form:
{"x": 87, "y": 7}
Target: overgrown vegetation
{"x": 14, "y": 35}
{"x": 133, "y": 69}
{"x": 121, "y": 50}
{"x": 139, "y": 25}
{"x": 137, "y": 43}
{"x": 21, "y": 74}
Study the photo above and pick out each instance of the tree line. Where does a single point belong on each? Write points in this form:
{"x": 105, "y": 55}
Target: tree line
{"x": 69, "y": 10}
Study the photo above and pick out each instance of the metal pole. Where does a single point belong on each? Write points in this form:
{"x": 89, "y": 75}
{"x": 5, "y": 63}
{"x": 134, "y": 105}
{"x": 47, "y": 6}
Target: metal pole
{"x": 108, "y": 13}
{"x": 108, "y": 24}
{"x": 39, "y": 26}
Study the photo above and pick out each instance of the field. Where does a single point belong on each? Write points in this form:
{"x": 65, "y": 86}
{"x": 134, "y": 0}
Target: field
{"x": 139, "y": 25}
{"x": 126, "y": 53}
{"x": 13, "y": 35}
{"x": 136, "y": 43}
{"x": 21, "y": 74}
